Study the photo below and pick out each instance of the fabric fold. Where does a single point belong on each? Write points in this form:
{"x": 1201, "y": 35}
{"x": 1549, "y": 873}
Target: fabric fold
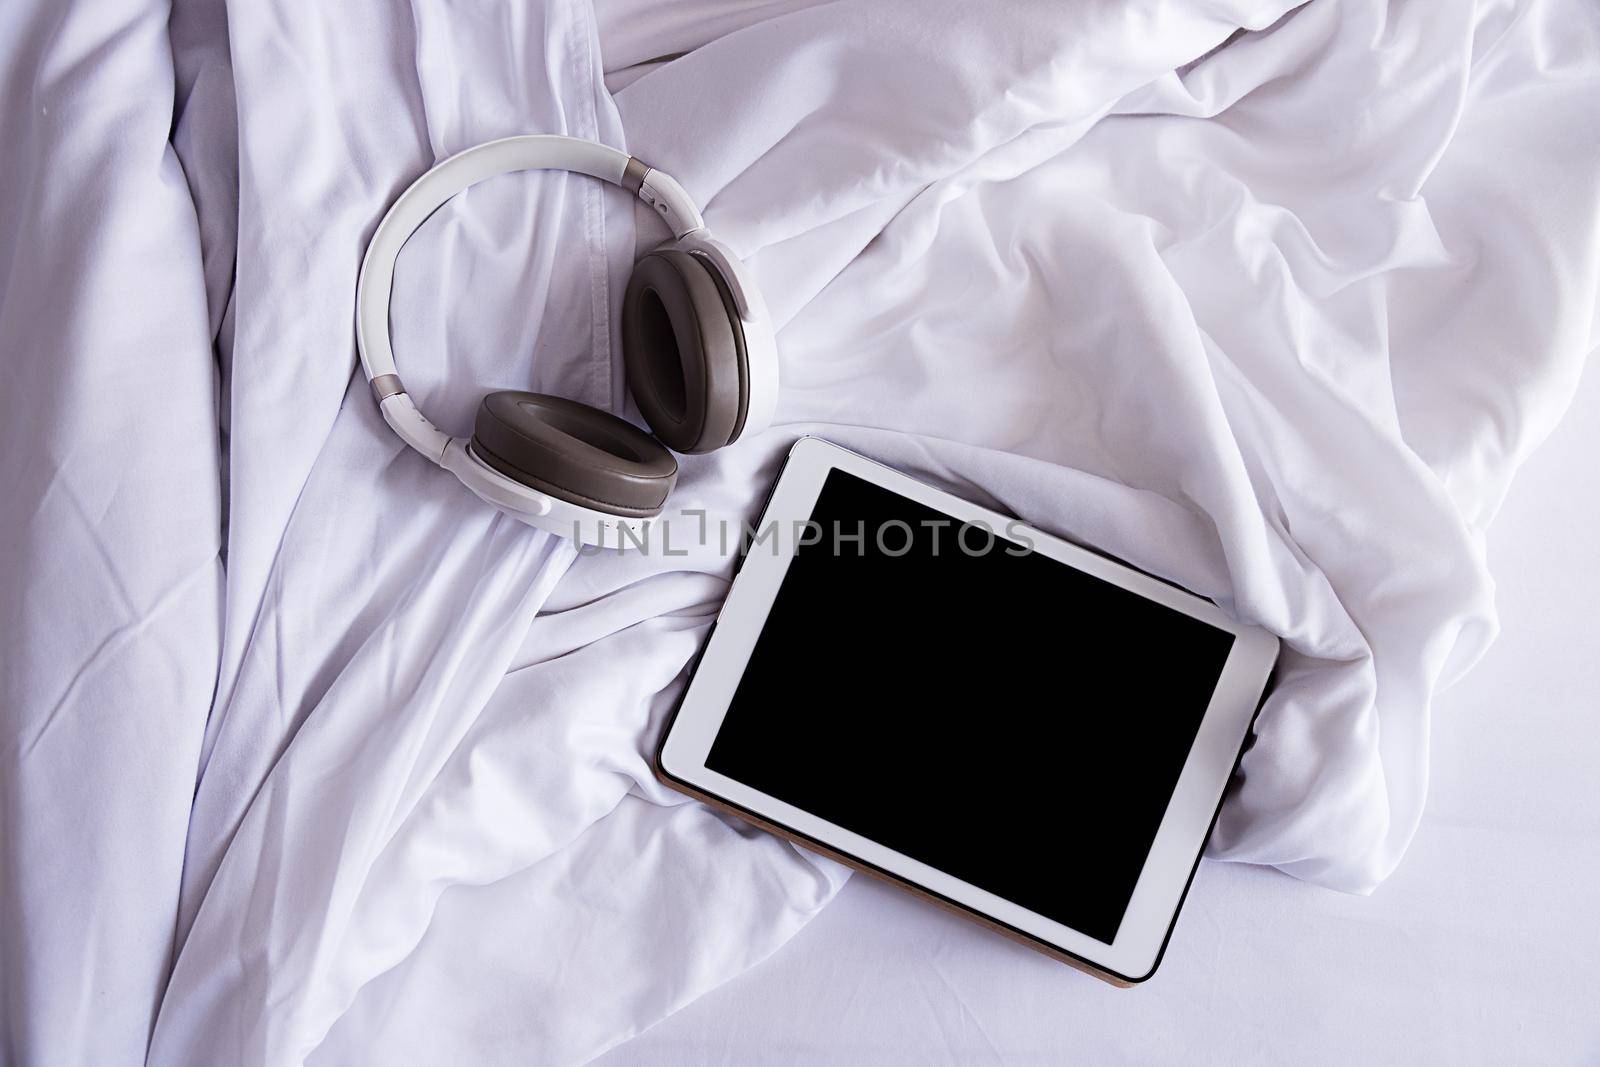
{"x": 111, "y": 580}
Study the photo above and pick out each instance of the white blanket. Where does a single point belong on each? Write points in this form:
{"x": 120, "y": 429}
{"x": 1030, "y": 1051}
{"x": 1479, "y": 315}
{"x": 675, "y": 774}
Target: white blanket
{"x": 1273, "y": 313}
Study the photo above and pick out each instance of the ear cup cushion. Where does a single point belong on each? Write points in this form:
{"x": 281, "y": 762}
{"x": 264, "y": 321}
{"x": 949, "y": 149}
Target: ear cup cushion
{"x": 684, "y": 350}
{"x": 574, "y": 452}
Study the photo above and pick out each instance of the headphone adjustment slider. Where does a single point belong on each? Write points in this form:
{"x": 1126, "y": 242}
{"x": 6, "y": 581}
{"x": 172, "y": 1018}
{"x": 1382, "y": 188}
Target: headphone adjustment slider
{"x": 386, "y": 385}
{"x": 634, "y": 174}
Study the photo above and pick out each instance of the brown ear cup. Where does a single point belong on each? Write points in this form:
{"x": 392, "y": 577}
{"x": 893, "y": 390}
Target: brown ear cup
{"x": 574, "y": 452}
{"x": 684, "y": 350}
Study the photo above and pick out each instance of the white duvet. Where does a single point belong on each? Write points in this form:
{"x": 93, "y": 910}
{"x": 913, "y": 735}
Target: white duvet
{"x": 310, "y": 757}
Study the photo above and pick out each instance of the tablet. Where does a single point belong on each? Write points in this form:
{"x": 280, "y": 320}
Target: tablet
{"x": 1013, "y": 726}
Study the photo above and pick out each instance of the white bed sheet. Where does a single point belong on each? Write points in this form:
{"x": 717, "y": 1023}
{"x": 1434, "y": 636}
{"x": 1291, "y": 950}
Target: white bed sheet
{"x": 346, "y": 798}
{"x": 1483, "y": 947}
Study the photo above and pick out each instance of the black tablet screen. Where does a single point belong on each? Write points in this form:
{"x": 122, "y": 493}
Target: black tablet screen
{"x": 988, "y": 711}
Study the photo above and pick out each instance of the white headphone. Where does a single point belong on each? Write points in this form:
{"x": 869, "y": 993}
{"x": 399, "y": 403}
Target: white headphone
{"x": 698, "y": 348}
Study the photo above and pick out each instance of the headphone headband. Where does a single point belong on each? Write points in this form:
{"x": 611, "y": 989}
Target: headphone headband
{"x": 698, "y": 322}
{"x": 430, "y": 192}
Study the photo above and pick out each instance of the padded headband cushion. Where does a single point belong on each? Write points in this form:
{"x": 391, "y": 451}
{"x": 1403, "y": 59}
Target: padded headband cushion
{"x": 684, "y": 349}
{"x": 574, "y": 452}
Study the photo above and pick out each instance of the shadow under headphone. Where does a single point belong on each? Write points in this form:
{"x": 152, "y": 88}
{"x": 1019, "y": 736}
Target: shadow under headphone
{"x": 697, "y": 346}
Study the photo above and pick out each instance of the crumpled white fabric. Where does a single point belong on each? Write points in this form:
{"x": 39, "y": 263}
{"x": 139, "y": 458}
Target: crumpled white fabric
{"x": 110, "y": 526}
{"x": 1278, "y": 324}
{"x": 1268, "y": 301}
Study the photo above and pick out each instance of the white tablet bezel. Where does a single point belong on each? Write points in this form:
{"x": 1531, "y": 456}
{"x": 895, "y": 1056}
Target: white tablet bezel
{"x": 1187, "y": 822}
